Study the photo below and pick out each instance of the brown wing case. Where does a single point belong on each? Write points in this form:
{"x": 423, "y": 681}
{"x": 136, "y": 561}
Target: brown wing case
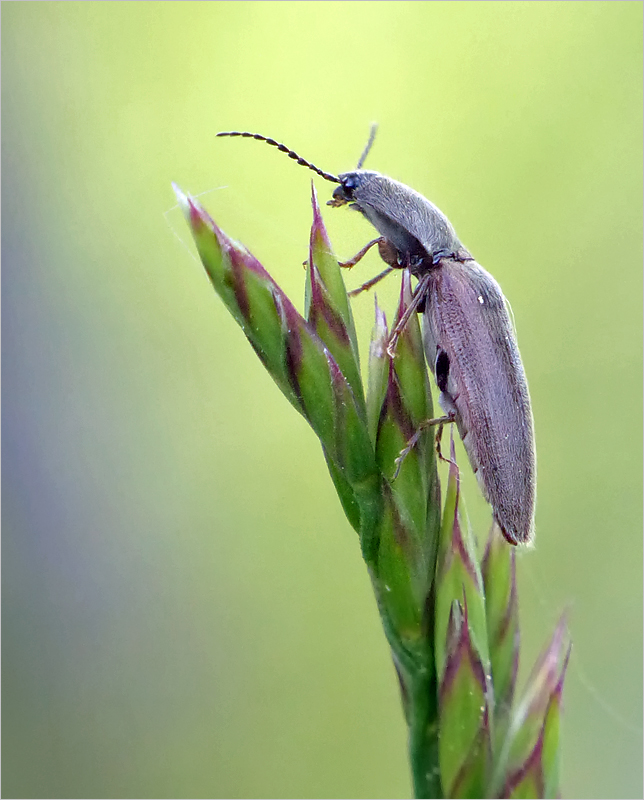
{"x": 471, "y": 349}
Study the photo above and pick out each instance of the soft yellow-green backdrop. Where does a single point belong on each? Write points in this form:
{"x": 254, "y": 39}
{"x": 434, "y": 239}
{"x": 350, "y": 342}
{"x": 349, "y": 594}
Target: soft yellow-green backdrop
{"x": 185, "y": 610}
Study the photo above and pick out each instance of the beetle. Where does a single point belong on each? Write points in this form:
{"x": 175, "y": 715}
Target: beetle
{"x": 468, "y": 337}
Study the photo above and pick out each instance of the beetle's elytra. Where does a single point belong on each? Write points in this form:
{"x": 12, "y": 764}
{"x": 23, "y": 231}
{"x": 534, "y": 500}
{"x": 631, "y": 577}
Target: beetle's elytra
{"x": 469, "y": 341}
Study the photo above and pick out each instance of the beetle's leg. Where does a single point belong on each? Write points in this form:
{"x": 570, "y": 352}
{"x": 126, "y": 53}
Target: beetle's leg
{"x": 389, "y": 255}
{"x": 419, "y": 296}
{"x": 360, "y": 254}
{"x": 428, "y": 423}
{"x": 370, "y": 283}
{"x": 439, "y": 433}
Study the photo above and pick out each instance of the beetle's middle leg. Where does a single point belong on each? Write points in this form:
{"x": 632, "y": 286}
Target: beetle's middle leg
{"x": 418, "y": 298}
{"x": 428, "y": 423}
{"x": 371, "y": 282}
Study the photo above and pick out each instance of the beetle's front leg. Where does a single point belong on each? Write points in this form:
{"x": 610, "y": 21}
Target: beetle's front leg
{"x": 383, "y": 246}
{"x": 361, "y": 253}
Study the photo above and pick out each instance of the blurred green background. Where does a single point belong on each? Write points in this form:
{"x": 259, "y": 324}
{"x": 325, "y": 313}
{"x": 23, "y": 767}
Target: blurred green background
{"x": 185, "y": 610}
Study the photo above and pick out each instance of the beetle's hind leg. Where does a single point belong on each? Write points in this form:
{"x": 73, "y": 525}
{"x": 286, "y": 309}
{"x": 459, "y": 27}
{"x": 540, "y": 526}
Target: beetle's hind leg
{"x": 428, "y": 423}
{"x": 439, "y": 435}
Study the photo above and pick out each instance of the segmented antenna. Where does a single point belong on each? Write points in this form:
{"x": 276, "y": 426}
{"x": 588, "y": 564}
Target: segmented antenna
{"x": 365, "y": 152}
{"x": 284, "y": 149}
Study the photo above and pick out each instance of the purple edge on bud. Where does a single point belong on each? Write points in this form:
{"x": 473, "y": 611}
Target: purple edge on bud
{"x": 544, "y": 689}
{"x": 328, "y": 310}
{"x": 548, "y": 672}
{"x": 511, "y": 608}
{"x": 458, "y": 542}
{"x": 533, "y": 765}
{"x": 461, "y": 651}
{"x": 459, "y": 648}
{"x": 241, "y": 259}
{"x": 319, "y": 304}
{"x": 395, "y": 400}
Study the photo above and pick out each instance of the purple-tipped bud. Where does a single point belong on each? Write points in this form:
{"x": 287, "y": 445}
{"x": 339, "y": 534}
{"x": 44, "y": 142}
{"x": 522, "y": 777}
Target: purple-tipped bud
{"x": 462, "y": 660}
{"x": 328, "y": 309}
{"x": 458, "y": 575}
{"x": 530, "y": 759}
{"x": 464, "y": 735}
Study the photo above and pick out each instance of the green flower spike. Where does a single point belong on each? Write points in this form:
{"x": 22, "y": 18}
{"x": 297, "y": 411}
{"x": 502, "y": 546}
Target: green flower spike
{"x": 409, "y": 534}
{"x": 301, "y": 364}
{"x": 530, "y": 759}
{"x": 414, "y": 494}
{"x": 424, "y": 569}
{"x": 462, "y": 660}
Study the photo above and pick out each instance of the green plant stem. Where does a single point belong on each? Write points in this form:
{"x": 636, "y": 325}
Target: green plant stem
{"x": 417, "y": 672}
{"x": 423, "y": 734}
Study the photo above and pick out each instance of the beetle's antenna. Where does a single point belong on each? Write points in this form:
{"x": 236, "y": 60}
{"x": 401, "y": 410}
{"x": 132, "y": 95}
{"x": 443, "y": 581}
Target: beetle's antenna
{"x": 365, "y": 152}
{"x": 284, "y": 149}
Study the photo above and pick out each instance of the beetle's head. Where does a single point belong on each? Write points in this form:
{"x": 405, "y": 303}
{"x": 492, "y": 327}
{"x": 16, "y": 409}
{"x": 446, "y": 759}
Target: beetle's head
{"x": 350, "y": 183}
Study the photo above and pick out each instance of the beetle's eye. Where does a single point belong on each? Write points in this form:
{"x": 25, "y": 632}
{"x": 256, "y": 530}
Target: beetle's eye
{"x": 349, "y": 184}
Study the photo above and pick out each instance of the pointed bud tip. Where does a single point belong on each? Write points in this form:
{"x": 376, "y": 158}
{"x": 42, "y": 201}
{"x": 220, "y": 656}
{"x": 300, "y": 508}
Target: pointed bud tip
{"x": 380, "y": 332}
{"x": 319, "y": 236}
{"x": 314, "y": 203}
{"x": 182, "y": 199}
{"x": 557, "y": 652}
{"x": 546, "y": 678}
{"x": 405, "y": 292}
{"x": 454, "y": 472}
{"x": 194, "y": 213}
